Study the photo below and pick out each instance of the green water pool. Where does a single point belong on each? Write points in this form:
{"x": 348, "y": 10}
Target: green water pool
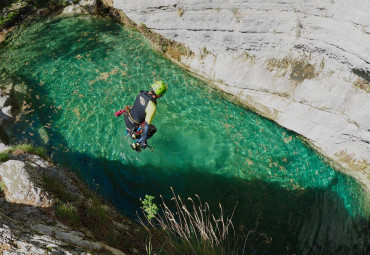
{"x": 79, "y": 70}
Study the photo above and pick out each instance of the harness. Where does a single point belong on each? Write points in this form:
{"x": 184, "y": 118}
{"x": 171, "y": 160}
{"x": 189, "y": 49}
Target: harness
{"x": 129, "y": 107}
{"x": 126, "y": 111}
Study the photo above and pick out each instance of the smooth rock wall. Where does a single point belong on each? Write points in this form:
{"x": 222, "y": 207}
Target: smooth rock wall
{"x": 295, "y": 62}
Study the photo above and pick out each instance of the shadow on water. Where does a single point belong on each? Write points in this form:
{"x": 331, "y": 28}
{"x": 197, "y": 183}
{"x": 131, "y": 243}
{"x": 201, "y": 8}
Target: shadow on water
{"x": 301, "y": 221}
{"x": 310, "y": 221}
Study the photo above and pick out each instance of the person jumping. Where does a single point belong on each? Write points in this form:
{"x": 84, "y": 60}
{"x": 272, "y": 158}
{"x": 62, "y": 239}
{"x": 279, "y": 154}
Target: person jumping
{"x": 138, "y": 118}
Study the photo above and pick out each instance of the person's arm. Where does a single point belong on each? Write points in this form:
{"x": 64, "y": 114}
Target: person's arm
{"x": 150, "y": 111}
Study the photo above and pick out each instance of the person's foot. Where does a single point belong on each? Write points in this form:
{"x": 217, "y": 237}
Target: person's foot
{"x": 136, "y": 147}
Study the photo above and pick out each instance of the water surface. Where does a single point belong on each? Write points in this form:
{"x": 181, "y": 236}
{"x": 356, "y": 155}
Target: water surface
{"x": 80, "y": 70}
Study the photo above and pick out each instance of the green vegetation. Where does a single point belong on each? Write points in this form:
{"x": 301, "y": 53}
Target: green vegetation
{"x": 29, "y": 149}
{"x": 11, "y": 10}
{"x": 68, "y": 212}
{"x": 149, "y": 207}
{"x": 2, "y": 188}
{"x": 4, "y": 156}
{"x": 7, "y": 19}
{"x": 4, "y": 3}
{"x": 22, "y": 149}
{"x": 46, "y": 3}
{"x": 191, "y": 228}
{"x": 90, "y": 213}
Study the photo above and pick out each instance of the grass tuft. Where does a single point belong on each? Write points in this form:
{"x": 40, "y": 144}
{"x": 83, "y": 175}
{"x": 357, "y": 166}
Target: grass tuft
{"x": 4, "y": 156}
{"x": 27, "y": 148}
{"x": 193, "y": 229}
{"x": 68, "y": 212}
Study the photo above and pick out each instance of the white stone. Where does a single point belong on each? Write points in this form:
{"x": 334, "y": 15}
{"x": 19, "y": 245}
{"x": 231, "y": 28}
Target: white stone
{"x": 83, "y": 7}
{"x": 328, "y": 110}
{"x": 3, "y": 147}
{"x": 21, "y": 180}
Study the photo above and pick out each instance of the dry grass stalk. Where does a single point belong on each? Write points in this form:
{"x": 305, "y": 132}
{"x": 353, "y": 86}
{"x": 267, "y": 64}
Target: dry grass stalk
{"x": 196, "y": 224}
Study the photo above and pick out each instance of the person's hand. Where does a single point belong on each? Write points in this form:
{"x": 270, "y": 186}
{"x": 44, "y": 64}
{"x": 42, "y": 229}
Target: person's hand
{"x": 144, "y": 144}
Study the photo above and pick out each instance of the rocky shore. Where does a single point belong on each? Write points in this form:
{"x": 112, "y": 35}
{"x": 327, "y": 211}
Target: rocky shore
{"x": 46, "y": 209}
{"x": 28, "y": 218}
{"x": 305, "y": 65}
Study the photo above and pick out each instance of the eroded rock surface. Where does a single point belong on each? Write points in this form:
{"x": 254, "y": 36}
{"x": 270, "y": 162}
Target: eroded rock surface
{"x": 27, "y": 218}
{"x": 303, "y": 64}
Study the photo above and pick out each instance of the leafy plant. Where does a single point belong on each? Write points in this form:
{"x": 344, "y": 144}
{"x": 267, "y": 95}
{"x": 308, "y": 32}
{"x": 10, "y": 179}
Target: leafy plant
{"x": 149, "y": 207}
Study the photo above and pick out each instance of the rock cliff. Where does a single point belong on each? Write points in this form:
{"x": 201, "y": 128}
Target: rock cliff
{"x": 304, "y": 64}
{"x": 28, "y": 218}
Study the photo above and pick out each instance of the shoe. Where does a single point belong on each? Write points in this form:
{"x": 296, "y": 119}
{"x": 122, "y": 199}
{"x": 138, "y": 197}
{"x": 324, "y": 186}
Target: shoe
{"x": 136, "y": 147}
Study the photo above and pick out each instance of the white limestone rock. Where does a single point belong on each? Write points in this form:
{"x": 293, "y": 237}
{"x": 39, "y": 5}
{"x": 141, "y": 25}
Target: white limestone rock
{"x": 234, "y": 41}
{"x": 83, "y": 7}
{"x": 23, "y": 184}
{"x": 3, "y": 147}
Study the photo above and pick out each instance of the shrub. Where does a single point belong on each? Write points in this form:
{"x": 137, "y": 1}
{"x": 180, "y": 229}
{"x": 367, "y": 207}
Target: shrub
{"x": 149, "y": 207}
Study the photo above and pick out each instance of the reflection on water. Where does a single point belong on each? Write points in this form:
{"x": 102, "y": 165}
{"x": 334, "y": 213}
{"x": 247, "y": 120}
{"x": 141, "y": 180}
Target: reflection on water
{"x": 80, "y": 70}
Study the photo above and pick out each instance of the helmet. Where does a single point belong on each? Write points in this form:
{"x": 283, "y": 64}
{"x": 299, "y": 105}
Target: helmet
{"x": 159, "y": 88}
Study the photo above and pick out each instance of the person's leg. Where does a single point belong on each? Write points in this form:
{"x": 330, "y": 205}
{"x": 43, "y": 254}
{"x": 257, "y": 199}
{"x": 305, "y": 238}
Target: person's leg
{"x": 152, "y": 130}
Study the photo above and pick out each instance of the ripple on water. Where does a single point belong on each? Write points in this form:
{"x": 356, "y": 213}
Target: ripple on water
{"x": 80, "y": 70}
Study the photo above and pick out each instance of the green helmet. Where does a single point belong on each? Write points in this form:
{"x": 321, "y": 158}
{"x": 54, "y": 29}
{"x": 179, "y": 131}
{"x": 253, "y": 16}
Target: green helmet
{"x": 159, "y": 88}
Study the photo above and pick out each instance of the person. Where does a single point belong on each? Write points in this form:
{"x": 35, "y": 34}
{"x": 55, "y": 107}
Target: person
{"x": 138, "y": 118}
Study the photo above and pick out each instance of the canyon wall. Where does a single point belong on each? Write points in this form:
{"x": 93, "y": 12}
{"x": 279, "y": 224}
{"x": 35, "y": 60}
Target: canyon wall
{"x": 304, "y": 64}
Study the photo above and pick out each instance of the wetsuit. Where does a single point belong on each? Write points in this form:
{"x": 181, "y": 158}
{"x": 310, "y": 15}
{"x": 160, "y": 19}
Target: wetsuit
{"x": 143, "y": 111}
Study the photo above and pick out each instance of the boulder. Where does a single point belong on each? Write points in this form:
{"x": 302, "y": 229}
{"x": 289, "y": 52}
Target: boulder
{"x": 23, "y": 184}
{"x": 83, "y": 7}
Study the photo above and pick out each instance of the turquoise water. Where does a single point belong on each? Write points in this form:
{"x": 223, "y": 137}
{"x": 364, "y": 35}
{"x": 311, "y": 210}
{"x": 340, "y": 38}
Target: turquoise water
{"x": 80, "y": 70}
